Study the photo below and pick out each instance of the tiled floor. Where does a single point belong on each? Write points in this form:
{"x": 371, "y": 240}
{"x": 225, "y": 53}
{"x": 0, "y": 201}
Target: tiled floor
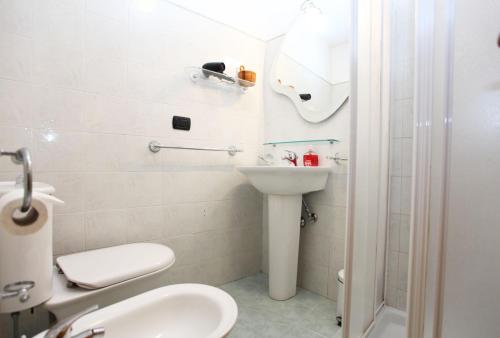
{"x": 307, "y": 315}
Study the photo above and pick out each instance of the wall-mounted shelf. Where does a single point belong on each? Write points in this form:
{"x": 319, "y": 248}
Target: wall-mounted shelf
{"x": 328, "y": 140}
{"x": 199, "y": 74}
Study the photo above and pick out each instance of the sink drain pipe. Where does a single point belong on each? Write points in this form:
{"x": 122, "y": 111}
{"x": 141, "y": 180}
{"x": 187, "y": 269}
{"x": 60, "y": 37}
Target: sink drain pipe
{"x": 313, "y": 217}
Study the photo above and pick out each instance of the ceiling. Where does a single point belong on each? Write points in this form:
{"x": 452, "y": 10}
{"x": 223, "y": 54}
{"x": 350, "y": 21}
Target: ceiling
{"x": 267, "y": 19}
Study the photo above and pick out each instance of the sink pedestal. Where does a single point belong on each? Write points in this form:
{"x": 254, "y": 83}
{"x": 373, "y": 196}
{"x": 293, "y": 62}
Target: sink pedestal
{"x": 284, "y": 232}
{"x": 284, "y": 187}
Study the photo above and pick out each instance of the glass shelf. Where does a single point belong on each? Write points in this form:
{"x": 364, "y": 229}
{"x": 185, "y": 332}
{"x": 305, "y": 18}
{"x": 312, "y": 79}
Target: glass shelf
{"x": 328, "y": 140}
{"x": 197, "y": 74}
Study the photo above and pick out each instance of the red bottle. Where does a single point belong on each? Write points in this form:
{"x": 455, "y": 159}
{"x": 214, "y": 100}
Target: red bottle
{"x": 311, "y": 159}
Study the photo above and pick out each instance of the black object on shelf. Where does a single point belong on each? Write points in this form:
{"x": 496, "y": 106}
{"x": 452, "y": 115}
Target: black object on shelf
{"x": 218, "y": 67}
{"x": 305, "y": 97}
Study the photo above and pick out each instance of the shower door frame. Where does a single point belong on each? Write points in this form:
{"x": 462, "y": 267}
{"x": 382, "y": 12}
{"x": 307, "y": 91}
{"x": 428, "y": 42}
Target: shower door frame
{"x": 434, "y": 29}
{"x": 369, "y": 161}
{"x": 432, "y": 130}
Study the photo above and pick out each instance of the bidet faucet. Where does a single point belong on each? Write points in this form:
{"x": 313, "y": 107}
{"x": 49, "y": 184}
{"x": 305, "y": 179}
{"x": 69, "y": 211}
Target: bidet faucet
{"x": 291, "y": 157}
{"x": 63, "y": 329}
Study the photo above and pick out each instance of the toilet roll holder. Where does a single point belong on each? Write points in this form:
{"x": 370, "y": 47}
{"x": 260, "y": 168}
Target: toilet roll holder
{"x": 23, "y": 156}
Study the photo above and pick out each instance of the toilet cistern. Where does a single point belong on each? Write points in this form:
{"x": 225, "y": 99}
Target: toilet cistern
{"x": 103, "y": 276}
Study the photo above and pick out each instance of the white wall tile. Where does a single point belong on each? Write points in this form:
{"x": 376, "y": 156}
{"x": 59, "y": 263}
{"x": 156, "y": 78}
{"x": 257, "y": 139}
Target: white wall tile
{"x": 145, "y": 224}
{"x": 394, "y": 230}
{"x": 392, "y": 270}
{"x": 59, "y": 151}
{"x": 58, "y": 43}
{"x": 402, "y": 140}
{"x": 106, "y": 191}
{"x": 105, "y": 38}
{"x": 403, "y": 271}
{"x": 16, "y": 57}
{"x": 339, "y": 222}
{"x": 69, "y": 233}
{"x": 17, "y": 104}
{"x": 404, "y": 236}
{"x": 314, "y": 278}
{"x": 315, "y": 249}
{"x": 115, "y": 9}
{"x": 17, "y": 17}
{"x": 60, "y": 109}
{"x": 104, "y": 76}
{"x": 105, "y": 152}
{"x": 143, "y": 188}
{"x": 105, "y": 228}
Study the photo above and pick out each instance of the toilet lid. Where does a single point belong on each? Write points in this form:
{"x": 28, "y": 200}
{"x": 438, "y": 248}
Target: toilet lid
{"x": 100, "y": 268}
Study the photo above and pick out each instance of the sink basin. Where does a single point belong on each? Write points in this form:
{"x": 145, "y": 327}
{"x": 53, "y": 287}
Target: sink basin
{"x": 174, "y": 311}
{"x": 284, "y": 187}
{"x": 286, "y": 180}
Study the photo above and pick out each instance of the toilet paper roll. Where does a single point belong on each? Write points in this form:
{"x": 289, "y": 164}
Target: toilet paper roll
{"x": 17, "y": 223}
{"x": 26, "y": 248}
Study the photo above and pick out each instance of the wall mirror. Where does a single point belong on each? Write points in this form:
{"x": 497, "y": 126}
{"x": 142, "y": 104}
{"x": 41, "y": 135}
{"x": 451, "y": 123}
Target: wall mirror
{"x": 312, "y": 64}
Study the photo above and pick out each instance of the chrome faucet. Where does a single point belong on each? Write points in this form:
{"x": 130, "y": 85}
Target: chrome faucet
{"x": 291, "y": 157}
{"x": 64, "y": 328}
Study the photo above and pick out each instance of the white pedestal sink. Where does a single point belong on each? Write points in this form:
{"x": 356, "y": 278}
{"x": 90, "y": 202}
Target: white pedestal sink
{"x": 284, "y": 187}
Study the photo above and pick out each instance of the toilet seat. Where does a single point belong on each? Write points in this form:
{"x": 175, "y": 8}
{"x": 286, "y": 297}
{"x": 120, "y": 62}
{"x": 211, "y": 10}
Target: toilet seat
{"x": 100, "y": 268}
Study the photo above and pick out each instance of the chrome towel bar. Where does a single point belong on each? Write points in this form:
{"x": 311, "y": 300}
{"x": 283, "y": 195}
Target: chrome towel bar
{"x": 155, "y": 147}
{"x": 337, "y": 158}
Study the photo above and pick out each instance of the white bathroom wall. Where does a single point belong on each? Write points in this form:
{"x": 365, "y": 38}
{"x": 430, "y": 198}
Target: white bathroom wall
{"x": 86, "y": 85}
{"x": 341, "y": 59}
{"x": 401, "y": 150}
{"x": 321, "y": 244}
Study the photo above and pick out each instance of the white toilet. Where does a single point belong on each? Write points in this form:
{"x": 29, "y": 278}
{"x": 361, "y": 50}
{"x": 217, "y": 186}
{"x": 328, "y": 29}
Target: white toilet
{"x": 106, "y": 276}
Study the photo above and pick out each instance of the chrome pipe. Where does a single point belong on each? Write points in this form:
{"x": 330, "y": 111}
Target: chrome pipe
{"x": 337, "y": 158}
{"x": 155, "y": 147}
{"x": 311, "y": 215}
{"x": 23, "y": 156}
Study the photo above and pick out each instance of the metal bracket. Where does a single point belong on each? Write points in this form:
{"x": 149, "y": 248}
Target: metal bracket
{"x": 18, "y": 289}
